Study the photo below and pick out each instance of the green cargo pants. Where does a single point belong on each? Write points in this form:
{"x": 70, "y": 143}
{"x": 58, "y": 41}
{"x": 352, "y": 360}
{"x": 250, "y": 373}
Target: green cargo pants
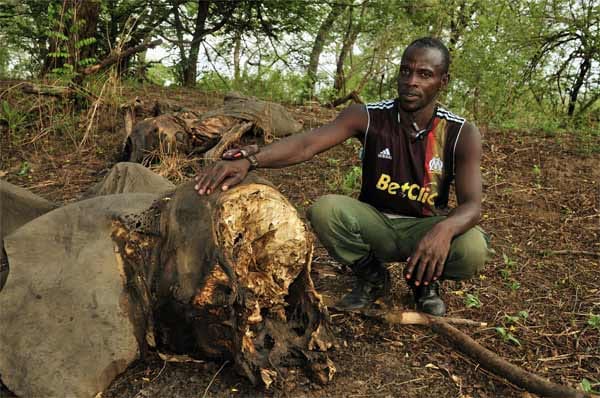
{"x": 350, "y": 229}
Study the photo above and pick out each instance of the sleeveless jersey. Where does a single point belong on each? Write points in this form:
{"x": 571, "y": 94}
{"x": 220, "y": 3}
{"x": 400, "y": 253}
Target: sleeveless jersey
{"x": 403, "y": 176}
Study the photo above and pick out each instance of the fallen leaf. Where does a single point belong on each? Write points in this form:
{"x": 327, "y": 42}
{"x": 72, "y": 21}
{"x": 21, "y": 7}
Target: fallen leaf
{"x": 456, "y": 379}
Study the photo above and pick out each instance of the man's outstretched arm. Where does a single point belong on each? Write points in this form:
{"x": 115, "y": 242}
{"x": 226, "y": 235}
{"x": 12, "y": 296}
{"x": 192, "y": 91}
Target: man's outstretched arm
{"x": 288, "y": 151}
{"x": 427, "y": 262}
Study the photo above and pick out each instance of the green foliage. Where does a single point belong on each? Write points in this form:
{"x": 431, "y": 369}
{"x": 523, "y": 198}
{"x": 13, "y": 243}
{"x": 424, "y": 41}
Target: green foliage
{"x": 506, "y": 273}
{"x": 521, "y": 316}
{"x": 513, "y": 285}
{"x": 333, "y": 162}
{"x": 24, "y": 169}
{"x": 348, "y": 183}
{"x": 4, "y": 59}
{"x": 269, "y": 84}
{"x": 85, "y": 42}
{"x": 65, "y": 28}
{"x": 507, "y": 336}
{"x": 504, "y": 53}
{"x": 13, "y": 117}
{"x": 593, "y": 321}
{"x": 472, "y": 301}
{"x": 589, "y": 386}
{"x": 161, "y": 75}
{"x": 510, "y": 264}
{"x": 352, "y": 181}
{"x": 537, "y": 175}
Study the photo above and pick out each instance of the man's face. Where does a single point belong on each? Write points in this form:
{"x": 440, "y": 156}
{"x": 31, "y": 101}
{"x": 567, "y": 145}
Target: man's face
{"x": 421, "y": 77}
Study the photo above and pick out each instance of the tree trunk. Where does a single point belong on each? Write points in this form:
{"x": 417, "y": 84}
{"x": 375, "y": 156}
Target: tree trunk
{"x": 458, "y": 24}
{"x": 72, "y": 14}
{"x": 191, "y": 66}
{"x": 317, "y": 49}
{"x": 236, "y": 58}
{"x": 350, "y": 37}
{"x": 183, "y": 60}
{"x": 113, "y": 27}
{"x": 89, "y": 11}
{"x": 52, "y": 62}
{"x": 584, "y": 68}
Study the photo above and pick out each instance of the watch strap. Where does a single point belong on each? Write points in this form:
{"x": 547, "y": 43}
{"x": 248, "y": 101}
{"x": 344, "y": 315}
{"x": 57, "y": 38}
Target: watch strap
{"x": 253, "y": 162}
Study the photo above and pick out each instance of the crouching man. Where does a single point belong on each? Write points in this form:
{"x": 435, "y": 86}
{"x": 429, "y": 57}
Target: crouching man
{"x": 413, "y": 150}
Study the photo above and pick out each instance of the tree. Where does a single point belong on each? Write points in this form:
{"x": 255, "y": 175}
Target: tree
{"x": 352, "y": 30}
{"x": 72, "y": 35}
{"x": 568, "y": 44}
{"x": 196, "y": 20}
{"x": 319, "y": 43}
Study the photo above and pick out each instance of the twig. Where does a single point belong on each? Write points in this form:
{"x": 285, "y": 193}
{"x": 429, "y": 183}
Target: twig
{"x": 160, "y": 372}
{"x": 582, "y": 252}
{"x": 89, "y": 127}
{"x": 556, "y": 358}
{"x": 213, "y": 379}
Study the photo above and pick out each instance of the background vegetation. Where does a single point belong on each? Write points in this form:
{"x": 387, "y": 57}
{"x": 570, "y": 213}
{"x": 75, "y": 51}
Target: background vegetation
{"x": 526, "y": 64}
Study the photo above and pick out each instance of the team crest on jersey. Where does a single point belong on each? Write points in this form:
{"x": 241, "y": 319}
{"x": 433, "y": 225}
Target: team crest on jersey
{"x": 436, "y": 165}
{"x": 385, "y": 154}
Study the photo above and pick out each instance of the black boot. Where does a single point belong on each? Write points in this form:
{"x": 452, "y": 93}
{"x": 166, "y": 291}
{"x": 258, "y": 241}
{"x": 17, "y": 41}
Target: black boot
{"x": 373, "y": 282}
{"x": 428, "y": 300}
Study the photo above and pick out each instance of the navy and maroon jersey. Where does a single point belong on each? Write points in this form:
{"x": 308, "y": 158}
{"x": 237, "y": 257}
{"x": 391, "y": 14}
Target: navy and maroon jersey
{"x": 403, "y": 176}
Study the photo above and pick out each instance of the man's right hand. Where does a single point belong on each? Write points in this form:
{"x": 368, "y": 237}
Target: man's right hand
{"x": 223, "y": 173}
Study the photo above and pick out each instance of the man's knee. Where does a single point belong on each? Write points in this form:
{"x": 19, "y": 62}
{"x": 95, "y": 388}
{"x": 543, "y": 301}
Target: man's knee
{"x": 468, "y": 254}
{"x": 324, "y": 210}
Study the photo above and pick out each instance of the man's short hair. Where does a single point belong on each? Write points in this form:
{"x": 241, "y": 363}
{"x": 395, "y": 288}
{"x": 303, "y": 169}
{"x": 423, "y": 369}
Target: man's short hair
{"x": 432, "y": 42}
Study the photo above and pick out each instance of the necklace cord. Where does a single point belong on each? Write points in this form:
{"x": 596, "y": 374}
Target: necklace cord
{"x": 420, "y": 133}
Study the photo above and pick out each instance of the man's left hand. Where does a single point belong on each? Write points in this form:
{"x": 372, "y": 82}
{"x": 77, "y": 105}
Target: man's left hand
{"x": 427, "y": 262}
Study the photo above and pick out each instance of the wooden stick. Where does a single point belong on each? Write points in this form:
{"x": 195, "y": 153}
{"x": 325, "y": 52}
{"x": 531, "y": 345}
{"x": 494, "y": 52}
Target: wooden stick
{"x": 54, "y": 91}
{"x": 488, "y": 359}
{"x": 401, "y": 317}
{"x": 501, "y": 367}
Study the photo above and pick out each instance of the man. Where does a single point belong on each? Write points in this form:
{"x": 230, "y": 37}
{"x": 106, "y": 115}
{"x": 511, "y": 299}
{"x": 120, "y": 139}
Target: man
{"x": 412, "y": 150}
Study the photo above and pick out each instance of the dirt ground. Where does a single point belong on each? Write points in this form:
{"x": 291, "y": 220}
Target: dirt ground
{"x": 541, "y": 209}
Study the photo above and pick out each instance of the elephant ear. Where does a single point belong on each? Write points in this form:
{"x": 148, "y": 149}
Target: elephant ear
{"x": 70, "y": 320}
{"x": 18, "y": 206}
{"x": 127, "y": 177}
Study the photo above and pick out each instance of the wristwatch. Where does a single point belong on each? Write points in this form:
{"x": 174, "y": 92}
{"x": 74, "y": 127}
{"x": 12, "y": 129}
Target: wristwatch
{"x": 253, "y": 162}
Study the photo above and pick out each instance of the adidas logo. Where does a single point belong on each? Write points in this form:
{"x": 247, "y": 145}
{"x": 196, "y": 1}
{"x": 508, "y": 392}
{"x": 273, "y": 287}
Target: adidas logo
{"x": 385, "y": 154}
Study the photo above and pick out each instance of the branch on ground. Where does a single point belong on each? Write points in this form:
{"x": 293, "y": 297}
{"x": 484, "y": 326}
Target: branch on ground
{"x": 488, "y": 359}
